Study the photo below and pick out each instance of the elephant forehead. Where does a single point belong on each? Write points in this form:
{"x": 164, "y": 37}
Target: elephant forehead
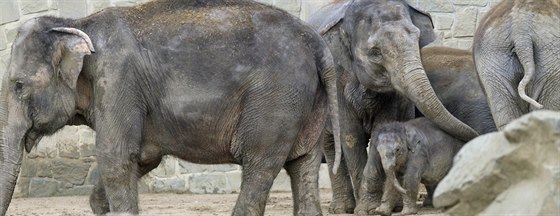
{"x": 25, "y": 30}
{"x": 388, "y": 138}
{"x": 41, "y": 77}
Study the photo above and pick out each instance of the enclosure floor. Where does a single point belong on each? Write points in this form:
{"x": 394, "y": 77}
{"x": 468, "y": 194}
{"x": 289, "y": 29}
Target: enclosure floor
{"x": 166, "y": 204}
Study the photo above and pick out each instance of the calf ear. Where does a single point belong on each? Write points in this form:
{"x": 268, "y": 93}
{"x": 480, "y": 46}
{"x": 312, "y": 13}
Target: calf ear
{"x": 72, "y": 46}
{"x": 328, "y": 16}
{"x": 414, "y": 138}
{"x": 423, "y": 21}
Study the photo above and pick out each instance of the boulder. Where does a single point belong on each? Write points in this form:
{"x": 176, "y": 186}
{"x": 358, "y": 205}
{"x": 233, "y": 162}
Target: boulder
{"x": 512, "y": 172}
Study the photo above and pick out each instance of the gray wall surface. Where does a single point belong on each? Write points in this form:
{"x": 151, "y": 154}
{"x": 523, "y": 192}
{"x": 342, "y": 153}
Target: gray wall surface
{"x": 63, "y": 164}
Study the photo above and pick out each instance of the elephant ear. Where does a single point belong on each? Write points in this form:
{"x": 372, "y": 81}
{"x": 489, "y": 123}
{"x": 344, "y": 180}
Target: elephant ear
{"x": 72, "y": 46}
{"x": 414, "y": 138}
{"x": 330, "y": 15}
{"x": 423, "y": 21}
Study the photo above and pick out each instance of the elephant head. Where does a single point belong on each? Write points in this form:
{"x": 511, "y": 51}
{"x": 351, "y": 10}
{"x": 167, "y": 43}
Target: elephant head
{"x": 393, "y": 143}
{"x": 39, "y": 92}
{"x": 382, "y": 39}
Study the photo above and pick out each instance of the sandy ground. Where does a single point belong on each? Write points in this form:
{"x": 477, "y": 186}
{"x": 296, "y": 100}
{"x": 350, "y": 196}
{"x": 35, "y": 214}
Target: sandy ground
{"x": 165, "y": 204}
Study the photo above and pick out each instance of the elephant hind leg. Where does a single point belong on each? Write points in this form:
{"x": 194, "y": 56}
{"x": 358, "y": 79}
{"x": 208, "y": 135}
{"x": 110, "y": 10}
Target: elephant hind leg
{"x": 304, "y": 176}
{"x": 263, "y": 146}
{"x": 98, "y": 199}
{"x": 257, "y": 179}
{"x": 343, "y": 200}
{"x": 500, "y": 72}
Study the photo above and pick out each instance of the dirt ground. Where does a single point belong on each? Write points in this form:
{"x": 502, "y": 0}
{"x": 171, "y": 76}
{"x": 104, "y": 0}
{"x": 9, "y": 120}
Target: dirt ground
{"x": 165, "y": 204}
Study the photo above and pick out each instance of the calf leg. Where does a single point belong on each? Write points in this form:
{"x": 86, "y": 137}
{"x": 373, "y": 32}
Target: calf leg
{"x": 390, "y": 198}
{"x": 411, "y": 181}
{"x": 428, "y": 202}
{"x": 304, "y": 175}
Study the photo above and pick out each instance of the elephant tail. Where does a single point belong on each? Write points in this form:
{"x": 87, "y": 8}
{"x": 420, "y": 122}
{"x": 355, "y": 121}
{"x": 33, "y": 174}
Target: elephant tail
{"x": 523, "y": 44}
{"x": 329, "y": 79}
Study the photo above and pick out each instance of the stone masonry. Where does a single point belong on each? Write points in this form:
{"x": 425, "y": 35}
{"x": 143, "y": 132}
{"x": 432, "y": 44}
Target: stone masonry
{"x": 63, "y": 164}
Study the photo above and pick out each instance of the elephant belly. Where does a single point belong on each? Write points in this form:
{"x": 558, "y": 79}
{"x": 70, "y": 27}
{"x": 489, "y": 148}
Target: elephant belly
{"x": 194, "y": 127}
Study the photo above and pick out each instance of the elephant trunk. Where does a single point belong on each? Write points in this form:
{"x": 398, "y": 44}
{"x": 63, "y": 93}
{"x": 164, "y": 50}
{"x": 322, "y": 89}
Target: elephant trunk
{"x": 415, "y": 85}
{"x": 11, "y": 155}
{"x": 389, "y": 169}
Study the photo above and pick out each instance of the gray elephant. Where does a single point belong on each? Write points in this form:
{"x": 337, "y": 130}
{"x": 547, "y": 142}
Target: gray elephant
{"x": 453, "y": 76}
{"x": 417, "y": 152}
{"x": 376, "y": 47}
{"x": 207, "y": 81}
{"x": 517, "y": 54}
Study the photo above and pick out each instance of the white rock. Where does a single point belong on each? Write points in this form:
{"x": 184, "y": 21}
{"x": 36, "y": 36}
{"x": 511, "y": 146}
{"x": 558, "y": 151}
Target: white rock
{"x": 513, "y": 172}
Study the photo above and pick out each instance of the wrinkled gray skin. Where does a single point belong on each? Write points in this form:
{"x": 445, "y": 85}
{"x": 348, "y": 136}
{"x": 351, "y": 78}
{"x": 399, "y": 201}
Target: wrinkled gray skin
{"x": 416, "y": 151}
{"x": 517, "y": 55}
{"x": 454, "y": 79}
{"x": 376, "y": 46}
{"x": 452, "y": 75}
{"x": 209, "y": 82}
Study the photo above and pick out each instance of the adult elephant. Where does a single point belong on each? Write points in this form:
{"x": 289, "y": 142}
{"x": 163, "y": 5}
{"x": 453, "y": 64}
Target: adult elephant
{"x": 517, "y": 55}
{"x": 376, "y": 47}
{"x": 207, "y": 81}
{"x": 453, "y": 76}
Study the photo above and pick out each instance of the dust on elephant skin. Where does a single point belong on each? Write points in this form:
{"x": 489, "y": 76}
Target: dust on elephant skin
{"x": 217, "y": 81}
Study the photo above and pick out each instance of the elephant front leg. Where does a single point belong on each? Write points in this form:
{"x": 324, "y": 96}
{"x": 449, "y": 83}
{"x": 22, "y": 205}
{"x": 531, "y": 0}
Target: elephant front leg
{"x": 499, "y": 73}
{"x": 354, "y": 141}
{"x": 98, "y": 199}
{"x": 343, "y": 200}
{"x": 118, "y": 141}
{"x": 372, "y": 185}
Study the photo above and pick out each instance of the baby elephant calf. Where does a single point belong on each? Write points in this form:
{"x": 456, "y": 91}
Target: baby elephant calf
{"x": 418, "y": 151}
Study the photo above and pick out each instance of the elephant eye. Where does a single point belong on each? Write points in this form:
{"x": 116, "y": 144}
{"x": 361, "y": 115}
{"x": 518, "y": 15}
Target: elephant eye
{"x": 19, "y": 86}
{"x": 375, "y": 54}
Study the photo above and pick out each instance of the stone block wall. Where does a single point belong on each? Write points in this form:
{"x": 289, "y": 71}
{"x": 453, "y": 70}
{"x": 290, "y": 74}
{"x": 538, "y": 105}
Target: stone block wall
{"x": 455, "y": 21}
{"x": 64, "y": 163}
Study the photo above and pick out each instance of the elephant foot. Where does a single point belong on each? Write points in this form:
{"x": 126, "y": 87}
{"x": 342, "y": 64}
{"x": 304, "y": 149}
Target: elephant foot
{"x": 366, "y": 208}
{"x": 98, "y": 202}
{"x": 345, "y": 206}
{"x": 409, "y": 210}
{"x": 384, "y": 210}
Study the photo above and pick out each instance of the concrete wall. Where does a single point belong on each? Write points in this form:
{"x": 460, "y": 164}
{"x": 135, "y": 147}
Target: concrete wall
{"x": 64, "y": 164}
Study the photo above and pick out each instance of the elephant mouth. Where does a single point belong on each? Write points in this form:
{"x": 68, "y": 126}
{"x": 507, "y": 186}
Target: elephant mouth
{"x": 31, "y": 139}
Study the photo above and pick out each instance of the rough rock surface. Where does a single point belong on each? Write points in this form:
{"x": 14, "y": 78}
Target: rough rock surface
{"x": 512, "y": 172}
